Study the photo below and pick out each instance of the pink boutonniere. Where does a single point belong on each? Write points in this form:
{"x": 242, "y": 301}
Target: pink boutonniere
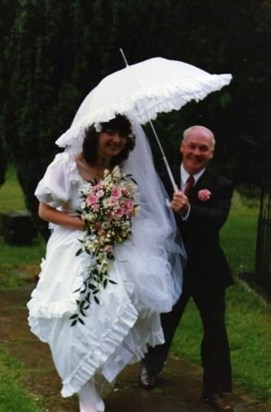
{"x": 204, "y": 195}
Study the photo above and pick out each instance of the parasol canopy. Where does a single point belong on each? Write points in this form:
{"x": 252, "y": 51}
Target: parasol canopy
{"x": 142, "y": 91}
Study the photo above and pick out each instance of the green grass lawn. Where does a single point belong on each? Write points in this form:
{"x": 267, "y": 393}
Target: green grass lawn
{"x": 18, "y": 264}
{"x": 248, "y": 316}
{"x": 11, "y": 196}
{"x": 13, "y": 397}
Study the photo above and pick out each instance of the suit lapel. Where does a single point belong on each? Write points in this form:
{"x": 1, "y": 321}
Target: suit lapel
{"x": 202, "y": 183}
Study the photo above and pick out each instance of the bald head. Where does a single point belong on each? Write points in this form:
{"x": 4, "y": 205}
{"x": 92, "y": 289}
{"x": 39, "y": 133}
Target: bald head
{"x": 199, "y": 131}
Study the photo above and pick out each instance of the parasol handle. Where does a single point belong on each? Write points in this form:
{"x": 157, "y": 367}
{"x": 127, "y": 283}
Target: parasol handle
{"x": 175, "y": 187}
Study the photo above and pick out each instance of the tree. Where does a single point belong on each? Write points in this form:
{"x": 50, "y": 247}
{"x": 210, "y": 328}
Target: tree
{"x": 58, "y": 51}
{"x": 8, "y": 10}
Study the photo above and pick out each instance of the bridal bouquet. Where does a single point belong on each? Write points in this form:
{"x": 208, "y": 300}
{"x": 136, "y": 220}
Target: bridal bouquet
{"x": 107, "y": 209}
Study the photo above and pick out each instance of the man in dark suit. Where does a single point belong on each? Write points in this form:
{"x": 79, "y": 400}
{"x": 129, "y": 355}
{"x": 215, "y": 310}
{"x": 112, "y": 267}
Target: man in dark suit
{"x": 201, "y": 208}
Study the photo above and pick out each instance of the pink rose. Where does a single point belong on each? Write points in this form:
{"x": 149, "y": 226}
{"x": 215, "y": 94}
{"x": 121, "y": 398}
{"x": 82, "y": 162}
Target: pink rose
{"x": 119, "y": 212}
{"x": 91, "y": 200}
{"x": 116, "y": 192}
{"x": 204, "y": 195}
{"x": 114, "y": 201}
{"x": 128, "y": 206}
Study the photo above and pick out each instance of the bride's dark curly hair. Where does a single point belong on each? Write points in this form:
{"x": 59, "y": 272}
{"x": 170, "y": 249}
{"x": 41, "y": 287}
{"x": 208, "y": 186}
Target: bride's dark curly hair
{"x": 119, "y": 124}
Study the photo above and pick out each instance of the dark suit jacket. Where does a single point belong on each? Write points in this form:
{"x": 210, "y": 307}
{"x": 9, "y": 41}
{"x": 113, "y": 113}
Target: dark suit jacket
{"x": 206, "y": 265}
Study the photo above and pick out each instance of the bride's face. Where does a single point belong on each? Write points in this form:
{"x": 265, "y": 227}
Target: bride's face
{"x": 111, "y": 143}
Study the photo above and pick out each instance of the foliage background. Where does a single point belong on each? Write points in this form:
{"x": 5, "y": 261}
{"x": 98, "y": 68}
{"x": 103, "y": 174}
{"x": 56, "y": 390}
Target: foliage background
{"x": 53, "y": 53}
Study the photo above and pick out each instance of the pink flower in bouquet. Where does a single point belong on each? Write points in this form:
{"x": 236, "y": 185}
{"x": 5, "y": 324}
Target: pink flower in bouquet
{"x": 99, "y": 229}
{"x": 204, "y": 195}
{"x": 116, "y": 192}
{"x": 91, "y": 199}
{"x": 113, "y": 201}
{"x": 129, "y": 206}
{"x": 99, "y": 193}
{"x": 101, "y": 232}
{"x": 119, "y": 212}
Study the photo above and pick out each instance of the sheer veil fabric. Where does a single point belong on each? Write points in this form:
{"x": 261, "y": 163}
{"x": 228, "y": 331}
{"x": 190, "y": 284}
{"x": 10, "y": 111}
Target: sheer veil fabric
{"x": 154, "y": 208}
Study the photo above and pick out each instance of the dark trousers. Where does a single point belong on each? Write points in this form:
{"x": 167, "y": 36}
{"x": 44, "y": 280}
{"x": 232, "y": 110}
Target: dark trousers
{"x": 215, "y": 352}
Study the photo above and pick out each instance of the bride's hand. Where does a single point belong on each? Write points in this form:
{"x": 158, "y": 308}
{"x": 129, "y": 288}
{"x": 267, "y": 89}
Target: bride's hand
{"x": 58, "y": 217}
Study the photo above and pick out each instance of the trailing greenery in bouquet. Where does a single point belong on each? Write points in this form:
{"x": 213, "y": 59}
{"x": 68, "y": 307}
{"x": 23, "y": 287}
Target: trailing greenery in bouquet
{"x": 107, "y": 209}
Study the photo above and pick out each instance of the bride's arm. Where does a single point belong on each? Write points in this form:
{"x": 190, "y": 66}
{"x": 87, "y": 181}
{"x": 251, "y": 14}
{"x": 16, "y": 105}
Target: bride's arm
{"x": 52, "y": 215}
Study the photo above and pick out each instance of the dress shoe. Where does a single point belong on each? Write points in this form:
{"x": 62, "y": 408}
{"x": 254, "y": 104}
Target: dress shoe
{"x": 146, "y": 380}
{"x": 219, "y": 402}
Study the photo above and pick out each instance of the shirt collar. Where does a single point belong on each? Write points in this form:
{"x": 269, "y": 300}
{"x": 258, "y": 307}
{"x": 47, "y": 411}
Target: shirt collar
{"x": 185, "y": 175}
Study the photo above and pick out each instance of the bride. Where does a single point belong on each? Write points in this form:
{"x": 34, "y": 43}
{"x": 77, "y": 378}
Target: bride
{"x": 146, "y": 272}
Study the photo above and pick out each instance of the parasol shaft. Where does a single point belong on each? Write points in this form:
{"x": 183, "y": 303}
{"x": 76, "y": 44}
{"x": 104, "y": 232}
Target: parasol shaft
{"x": 175, "y": 187}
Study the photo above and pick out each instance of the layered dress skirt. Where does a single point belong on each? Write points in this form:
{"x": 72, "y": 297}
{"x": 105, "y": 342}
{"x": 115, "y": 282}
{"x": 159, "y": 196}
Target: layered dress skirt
{"x": 117, "y": 331}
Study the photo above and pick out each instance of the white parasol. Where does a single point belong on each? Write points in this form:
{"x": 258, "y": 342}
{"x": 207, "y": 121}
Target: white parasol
{"x": 142, "y": 91}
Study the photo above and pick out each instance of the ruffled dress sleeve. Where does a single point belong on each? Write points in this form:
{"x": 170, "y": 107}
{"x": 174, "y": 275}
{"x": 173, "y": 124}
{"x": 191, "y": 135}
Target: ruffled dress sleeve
{"x": 54, "y": 188}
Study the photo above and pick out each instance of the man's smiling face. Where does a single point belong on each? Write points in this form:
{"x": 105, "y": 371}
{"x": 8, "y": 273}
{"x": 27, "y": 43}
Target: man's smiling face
{"x": 197, "y": 150}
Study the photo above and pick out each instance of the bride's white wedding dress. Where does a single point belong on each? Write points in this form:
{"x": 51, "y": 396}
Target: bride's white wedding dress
{"x": 116, "y": 331}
